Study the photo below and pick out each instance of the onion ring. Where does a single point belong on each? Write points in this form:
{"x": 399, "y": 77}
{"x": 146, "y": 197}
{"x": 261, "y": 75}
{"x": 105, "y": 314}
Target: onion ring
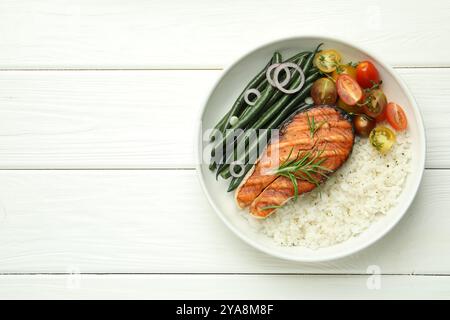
{"x": 289, "y": 65}
{"x": 249, "y": 92}
{"x": 277, "y": 83}
{"x": 234, "y": 164}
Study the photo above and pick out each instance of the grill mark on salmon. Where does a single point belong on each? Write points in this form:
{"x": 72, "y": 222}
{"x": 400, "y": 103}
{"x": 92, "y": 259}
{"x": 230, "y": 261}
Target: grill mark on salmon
{"x": 334, "y": 139}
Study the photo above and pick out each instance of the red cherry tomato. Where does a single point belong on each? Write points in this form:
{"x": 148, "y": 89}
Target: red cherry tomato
{"x": 348, "y": 89}
{"x": 367, "y": 74}
{"x": 396, "y": 116}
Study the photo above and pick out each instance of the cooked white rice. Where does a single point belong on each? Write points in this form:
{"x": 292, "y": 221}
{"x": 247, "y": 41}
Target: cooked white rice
{"x": 360, "y": 192}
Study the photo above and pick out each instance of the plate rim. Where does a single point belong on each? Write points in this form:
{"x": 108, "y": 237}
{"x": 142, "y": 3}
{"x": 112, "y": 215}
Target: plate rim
{"x": 355, "y": 249}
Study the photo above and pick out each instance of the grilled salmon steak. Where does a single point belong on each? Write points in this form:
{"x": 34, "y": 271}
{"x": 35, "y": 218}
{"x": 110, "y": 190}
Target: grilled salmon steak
{"x": 321, "y": 134}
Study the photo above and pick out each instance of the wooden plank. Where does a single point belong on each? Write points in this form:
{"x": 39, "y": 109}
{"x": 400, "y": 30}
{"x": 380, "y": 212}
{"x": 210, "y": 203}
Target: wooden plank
{"x": 144, "y": 119}
{"x": 100, "y": 119}
{"x": 174, "y": 34}
{"x": 222, "y": 287}
{"x": 155, "y": 221}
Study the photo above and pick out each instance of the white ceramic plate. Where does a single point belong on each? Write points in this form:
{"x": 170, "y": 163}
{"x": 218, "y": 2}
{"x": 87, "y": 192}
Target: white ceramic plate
{"x": 229, "y": 87}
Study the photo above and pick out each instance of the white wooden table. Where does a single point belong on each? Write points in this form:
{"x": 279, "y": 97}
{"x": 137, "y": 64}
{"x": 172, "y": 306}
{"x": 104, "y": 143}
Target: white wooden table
{"x": 98, "y": 193}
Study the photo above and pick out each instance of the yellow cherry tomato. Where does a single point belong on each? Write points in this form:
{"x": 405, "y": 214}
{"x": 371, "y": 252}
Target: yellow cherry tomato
{"x": 327, "y": 60}
{"x": 382, "y": 138}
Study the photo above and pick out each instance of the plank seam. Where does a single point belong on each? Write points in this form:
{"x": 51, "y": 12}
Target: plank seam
{"x": 134, "y": 169}
{"x": 176, "y": 69}
{"x": 112, "y": 69}
{"x": 220, "y": 274}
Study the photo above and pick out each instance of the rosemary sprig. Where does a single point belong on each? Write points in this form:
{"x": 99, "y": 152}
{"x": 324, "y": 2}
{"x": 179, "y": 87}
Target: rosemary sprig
{"x": 305, "y": 167}
{"x": 339, "y": 68}
{"x": 313, "y": 125}
{"x": 377, "y": 145}
{"x": 271, "y": 207}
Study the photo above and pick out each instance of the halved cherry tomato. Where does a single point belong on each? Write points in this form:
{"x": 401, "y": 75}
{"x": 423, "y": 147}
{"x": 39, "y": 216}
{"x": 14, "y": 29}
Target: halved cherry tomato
{"x": 374, "y": 103}
{"x": 348, "y": 89}
{"x": 396, "y": 116}
{"x": 367, "y": 74}
{"x": 382, "y": 138}
{"x": 327, "y": 60}
{"x": 344, "y": 69}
